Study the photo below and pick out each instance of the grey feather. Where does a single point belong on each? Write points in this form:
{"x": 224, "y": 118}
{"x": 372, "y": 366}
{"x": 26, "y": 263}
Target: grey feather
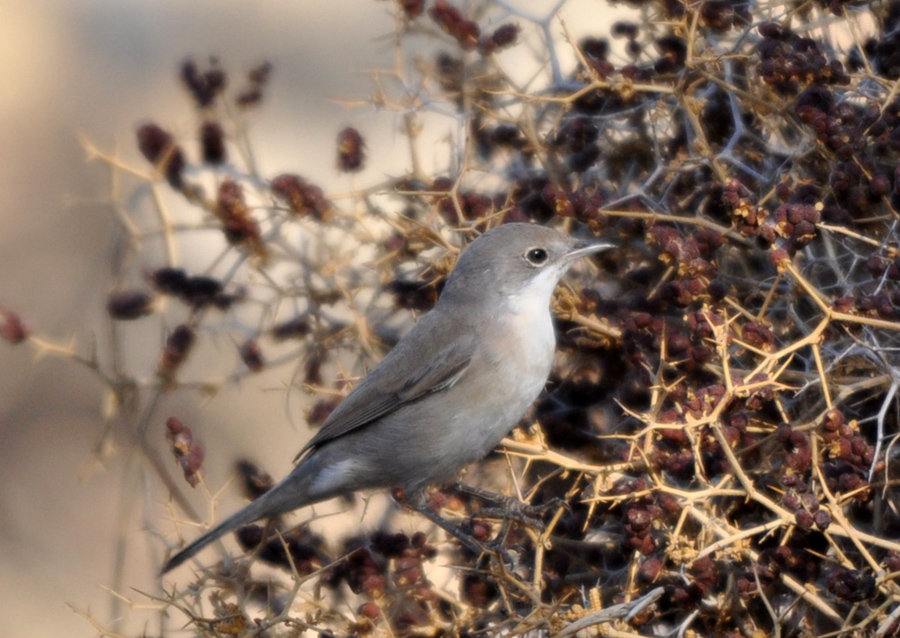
{"x": 385, "y": 391}
{"x": 448, "y": 392}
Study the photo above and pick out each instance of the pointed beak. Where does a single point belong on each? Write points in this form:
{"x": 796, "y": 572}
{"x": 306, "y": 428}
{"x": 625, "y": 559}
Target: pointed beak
{"x": 582, "y": 248}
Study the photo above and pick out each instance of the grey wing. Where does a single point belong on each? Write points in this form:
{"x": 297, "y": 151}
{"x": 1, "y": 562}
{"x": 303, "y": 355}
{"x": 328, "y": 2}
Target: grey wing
{"x": 412, "y": 370}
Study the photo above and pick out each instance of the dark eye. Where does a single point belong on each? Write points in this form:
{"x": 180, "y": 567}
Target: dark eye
{"x": 536, "y": 256}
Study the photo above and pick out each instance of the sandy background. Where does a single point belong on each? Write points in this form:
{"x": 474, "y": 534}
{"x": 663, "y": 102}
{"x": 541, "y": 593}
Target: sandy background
{"x": 100, "y": 68}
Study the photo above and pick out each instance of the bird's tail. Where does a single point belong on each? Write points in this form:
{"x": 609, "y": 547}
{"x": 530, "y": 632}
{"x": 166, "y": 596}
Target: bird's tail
{"x": 286, "y": 496}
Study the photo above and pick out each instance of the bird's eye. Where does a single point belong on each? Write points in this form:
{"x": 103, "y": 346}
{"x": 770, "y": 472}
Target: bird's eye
{"x": 536, "y": 256}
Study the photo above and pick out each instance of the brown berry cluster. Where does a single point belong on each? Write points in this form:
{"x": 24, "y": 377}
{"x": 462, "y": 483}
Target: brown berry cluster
{"x": 350, "y": 150}
{"x": 296, "y": 549}
{"x": 502, "y": 37}
{"x": 160, "y": 149}
{"x": 467, "y": 32}
{"x": 643, "y": 517}
{"x": 388, "y": 571}
{"x": 790, "y": 62}
{"x": 238, "y": 224}
{"x": 724, "y": 15}
{"x": 457, "y": 206}
{"x": 577, "y": 141}
{"x": 852, "y": 585}
{"x": 178, "y": 346}
{"x": 583, "y": 204}
{"x": 186, "y": 451}
{"x": 12, "y": 328}
{"x": 452, "y": 22}
{"x": 411, "y": 9}
{"x": 881, "y": 50}
{"x": 197, "y": 291}
{"x": 302, "y": 197}
{"x": 807, "y": 510}
{"x": 861, "y": 175}
{"x": 792, "y": 558}
{"x": 204, "y": 86}
{"x": 851, "y": 457}
{"x": 795, "y": 223}
{"x": 126, "y": 305}
{"x": 257, "y": 79}
{"x": 413, "y": 295}
{"x": 254, "y": 480}
{"x": 691, "y": 257}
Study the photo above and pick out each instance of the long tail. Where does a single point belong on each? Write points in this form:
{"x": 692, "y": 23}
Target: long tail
{"x": 288, "y": 495}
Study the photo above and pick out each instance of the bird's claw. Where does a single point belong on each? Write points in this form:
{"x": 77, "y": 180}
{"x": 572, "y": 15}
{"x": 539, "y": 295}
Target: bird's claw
{"x": 525, "y": 513}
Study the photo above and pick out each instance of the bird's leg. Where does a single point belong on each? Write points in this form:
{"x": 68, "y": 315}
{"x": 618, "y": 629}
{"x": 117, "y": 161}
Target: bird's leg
{"x": 416, "y": 501}
{"x": 506, "y": 507}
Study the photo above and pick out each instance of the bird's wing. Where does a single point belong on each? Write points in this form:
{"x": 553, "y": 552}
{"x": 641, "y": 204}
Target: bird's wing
{"x": 412, "y": 370}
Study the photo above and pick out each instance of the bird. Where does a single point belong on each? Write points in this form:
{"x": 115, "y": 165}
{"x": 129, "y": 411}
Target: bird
{"x": 447, "y": 393}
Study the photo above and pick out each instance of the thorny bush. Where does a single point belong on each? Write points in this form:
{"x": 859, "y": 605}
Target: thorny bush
{"x": 722, "y": 417}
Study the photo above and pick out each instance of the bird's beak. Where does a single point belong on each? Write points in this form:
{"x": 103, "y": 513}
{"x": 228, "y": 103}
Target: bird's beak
{"x": 582, "y": 248}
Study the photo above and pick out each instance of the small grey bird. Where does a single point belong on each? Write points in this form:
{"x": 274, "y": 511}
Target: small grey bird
{"x": 448, "y": 391}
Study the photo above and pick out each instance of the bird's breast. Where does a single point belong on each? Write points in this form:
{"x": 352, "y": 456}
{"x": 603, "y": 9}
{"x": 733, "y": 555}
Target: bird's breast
{"x": 531, "y": 330}
{"x": 520, "y": 355}
{"x": 449, "y": 429}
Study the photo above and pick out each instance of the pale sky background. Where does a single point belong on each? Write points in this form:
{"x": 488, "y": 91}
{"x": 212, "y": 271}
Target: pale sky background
{"x": 100, "y": 68}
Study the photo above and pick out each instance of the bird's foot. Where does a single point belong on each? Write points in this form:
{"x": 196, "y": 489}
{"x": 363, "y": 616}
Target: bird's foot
{"x": 507, "y": 507}
{"x": 465, "y": 538}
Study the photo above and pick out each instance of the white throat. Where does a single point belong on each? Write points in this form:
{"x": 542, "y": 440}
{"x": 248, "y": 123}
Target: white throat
{"x": 534, "y": 298}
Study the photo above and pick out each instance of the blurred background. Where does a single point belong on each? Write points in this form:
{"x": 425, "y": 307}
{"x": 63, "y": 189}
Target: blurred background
{"x": 98, "y": 69}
